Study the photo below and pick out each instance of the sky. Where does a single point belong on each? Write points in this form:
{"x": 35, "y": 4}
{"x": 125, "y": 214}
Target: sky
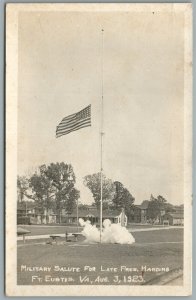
{"x": 60, "y": 72}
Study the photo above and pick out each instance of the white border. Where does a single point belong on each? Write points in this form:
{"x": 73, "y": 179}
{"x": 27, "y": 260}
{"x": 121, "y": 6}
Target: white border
{"x": 12, "y": 289}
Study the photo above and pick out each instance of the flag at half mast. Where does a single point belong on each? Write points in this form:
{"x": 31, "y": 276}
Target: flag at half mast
{"x": 74, "y": 122}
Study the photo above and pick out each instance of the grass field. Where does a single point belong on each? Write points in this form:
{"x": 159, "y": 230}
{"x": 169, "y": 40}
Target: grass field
{"x": 47, "y": 229}
{"x": 159, "y": 249}
{"x": 41, "y": 230}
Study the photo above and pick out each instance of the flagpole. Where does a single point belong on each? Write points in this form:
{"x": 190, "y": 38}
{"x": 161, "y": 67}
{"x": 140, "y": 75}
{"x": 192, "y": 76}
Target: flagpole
{"x": 77, "y": 216}
{"x": 101, "y": 133}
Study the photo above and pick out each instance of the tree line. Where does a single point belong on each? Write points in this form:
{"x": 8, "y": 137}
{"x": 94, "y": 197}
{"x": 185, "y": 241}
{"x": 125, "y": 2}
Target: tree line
{"x": 53, "y": 187}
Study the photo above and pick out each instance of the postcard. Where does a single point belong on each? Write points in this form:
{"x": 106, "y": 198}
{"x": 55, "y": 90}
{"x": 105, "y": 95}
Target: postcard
{"x": 98, "y": 149}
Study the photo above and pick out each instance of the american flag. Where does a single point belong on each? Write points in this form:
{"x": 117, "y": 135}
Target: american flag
{"x": 74, "y": 122}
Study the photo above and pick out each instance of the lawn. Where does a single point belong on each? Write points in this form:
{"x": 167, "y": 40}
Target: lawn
{"x": 47, "y": 229}
{"x": 109, "y": 263}
{"x": 41, "y": 230}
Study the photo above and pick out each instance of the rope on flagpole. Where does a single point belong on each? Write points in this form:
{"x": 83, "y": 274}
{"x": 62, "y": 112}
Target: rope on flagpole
{"x": 101, "y": 169}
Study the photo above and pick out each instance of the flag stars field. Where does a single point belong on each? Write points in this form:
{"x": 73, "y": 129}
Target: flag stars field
{"x": 74, "y": 122}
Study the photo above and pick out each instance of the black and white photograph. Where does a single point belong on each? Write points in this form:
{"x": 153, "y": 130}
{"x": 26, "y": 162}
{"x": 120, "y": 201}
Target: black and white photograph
{"x": 98, "y": 149}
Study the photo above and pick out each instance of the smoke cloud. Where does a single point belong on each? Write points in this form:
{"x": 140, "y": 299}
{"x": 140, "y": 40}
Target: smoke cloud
{"x": 112, "y": 233}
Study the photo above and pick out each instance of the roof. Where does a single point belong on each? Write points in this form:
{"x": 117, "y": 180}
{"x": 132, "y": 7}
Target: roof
{"x": 110, "y": 213}
{"x": 137, "y": 206}
{"x": 144, "y": 204}
{"x": 21, "y": 230}
{"x": 176, "y": 215}
{"x": 179, "y": 207}
{"x": 94, "y": 213}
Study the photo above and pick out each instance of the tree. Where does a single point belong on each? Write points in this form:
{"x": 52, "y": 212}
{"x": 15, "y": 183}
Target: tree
{"x": 122, "y": 198}
{"x": 60, "y": 174}
{"x": 53, "y": 187}
{"x": 153, "y": 211}
{"x": 66, "y": 198}
{"x": 169, "y": 208}
{"x": 161, "y": 200}
{"x": 156, "y": 205}
{"x": 22, "y": 187}
{"x": 72, "y": 197}
{"x": 83, "y": 206}
{"x": 42, "y": 192}
{"x": 93, "y": 182}
{"x": 62, "y": 179}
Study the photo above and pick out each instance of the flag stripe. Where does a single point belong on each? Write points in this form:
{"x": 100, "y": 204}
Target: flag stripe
{"x": 87, "y": 122}
{"x": 74, "y": 122}
{"x": 62, "y": 124}
{"x": 67, "y": 132}
{"x": 68, "y": 120}
{"x": 69, "y": 117}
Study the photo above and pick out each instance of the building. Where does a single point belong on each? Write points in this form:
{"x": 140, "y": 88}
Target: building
{"x": 29, "y": 213}
{"x": 93, "y": 215}
{"x": 25, "y": 210}
{"x": 139, "y": 213}
{"x": 144, "y": 211}
{"x": 135, "y": 214}
{"x": 173, "y": 219}
{"x": 178, "y": 209}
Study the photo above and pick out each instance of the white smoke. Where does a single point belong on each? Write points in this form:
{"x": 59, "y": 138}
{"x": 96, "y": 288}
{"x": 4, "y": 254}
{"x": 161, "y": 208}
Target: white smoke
{"x": 112, "y": 233}
{"x": 90, "y": 232}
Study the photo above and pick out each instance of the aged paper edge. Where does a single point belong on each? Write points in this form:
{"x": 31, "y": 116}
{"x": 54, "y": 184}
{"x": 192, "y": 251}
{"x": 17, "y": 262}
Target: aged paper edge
{"x": 12, "y": 289}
